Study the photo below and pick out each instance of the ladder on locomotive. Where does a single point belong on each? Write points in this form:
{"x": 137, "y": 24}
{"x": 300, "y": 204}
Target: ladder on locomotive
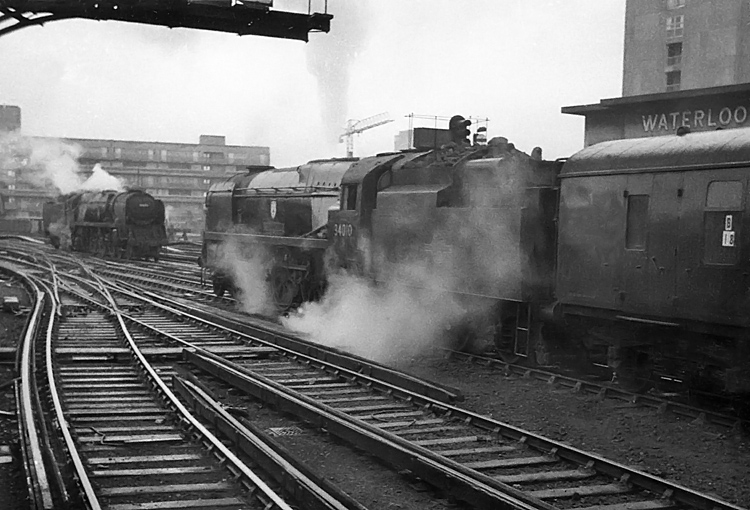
{"x": 522, "y": 329}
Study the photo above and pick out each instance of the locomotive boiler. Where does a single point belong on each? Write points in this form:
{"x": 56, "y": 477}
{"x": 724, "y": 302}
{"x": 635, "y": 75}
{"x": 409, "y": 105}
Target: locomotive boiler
{"x": 276, "y": 217}
{"x": 630, "y": 253}
{"x": 128, "y": 224}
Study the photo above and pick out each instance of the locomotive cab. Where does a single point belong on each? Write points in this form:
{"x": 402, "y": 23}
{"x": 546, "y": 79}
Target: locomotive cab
{"x": 350, "y": 227}
{"x": 469, "y": 225}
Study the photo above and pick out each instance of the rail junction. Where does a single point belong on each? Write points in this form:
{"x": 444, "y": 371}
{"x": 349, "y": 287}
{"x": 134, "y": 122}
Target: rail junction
{"x": 130, "y": 397}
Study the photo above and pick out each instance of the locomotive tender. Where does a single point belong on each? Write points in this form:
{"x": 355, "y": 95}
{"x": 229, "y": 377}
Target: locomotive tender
{"x": 127, "y": 224}
{"x": 630, "y": 253}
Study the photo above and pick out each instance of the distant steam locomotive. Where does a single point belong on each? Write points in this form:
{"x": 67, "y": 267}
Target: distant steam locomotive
{"x": 631, "y": 253}
{"x": 128, "y": 224}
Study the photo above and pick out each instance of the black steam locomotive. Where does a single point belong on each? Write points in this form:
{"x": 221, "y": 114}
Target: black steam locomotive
{"x": 279, "y": 217}
{"x": 127, "y": 224}
{"x": 630, "y": 253}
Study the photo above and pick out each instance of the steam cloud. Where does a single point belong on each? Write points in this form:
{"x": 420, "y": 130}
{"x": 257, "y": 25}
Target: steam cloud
{"x": 48, "y": 162}
{"x": 330, "y": 59}
{"x": 248, "y": 268}
{"x": 410, "y": 309}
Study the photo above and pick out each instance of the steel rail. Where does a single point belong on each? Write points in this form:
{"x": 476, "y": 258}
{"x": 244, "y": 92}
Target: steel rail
{"x": 302, "y": 348}
{"x": 39, "y": 486}
{"x": 662, "y": 405}
{"x": 472, "y": 486}
{"x": 273, "y": 500}
{"x": 314, "y": 491}
{"x": 88, "y": 494}
{"x": 673, "y": 491}
{"x": 463, "y": 483}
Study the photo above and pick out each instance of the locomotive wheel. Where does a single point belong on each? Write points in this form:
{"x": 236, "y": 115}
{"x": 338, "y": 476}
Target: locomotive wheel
{"x": 285, "y": 289}
{"x": 464, "y": 338}
{"x": 634, "y": 371}
{"x": 218, "y": 286}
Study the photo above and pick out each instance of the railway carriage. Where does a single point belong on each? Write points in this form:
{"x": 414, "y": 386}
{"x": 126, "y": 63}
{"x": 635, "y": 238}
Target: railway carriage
{"x": 653, "y": 260}
{"x": 631, "y": 253}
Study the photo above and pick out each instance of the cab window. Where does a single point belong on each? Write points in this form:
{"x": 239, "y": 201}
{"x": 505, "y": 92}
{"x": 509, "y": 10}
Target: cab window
{"x": 349, "y": 193}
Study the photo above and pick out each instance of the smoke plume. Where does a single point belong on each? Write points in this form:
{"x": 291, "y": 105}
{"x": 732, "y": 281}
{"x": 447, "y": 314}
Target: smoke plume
{"x": 248, "y": 267}
{"x": 437, "y": 268}
{"x": 46, "y": 163}
{"x": 330, "y": 59}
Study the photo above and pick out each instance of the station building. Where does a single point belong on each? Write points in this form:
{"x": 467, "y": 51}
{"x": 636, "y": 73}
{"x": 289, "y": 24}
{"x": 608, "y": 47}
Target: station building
{"x": 179, "y": 174}
{"x": 686, "y": 65}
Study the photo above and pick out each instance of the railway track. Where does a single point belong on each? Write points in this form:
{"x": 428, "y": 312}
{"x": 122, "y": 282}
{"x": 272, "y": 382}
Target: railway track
{"x": 676, "y": 403}
{"x": 481, "y": 461}
{"x": 485, "y": 462}
{"x": 132, "y": 442}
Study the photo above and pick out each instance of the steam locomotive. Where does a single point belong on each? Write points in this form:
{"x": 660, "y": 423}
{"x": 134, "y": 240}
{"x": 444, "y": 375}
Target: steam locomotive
{"x": 630, "y": 253}
{"x": 127, "y": 224}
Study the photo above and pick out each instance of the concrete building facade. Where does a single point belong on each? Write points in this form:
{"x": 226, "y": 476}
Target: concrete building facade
{"x": 686, "y": 65}
{"x": 675, "y": 45}
{"x": 179, "y": 174}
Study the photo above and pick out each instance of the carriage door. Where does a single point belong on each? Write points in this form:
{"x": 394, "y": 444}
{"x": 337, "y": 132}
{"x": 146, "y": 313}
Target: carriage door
{"x": 714, "y": 282}
{"x": 666, "y": 223}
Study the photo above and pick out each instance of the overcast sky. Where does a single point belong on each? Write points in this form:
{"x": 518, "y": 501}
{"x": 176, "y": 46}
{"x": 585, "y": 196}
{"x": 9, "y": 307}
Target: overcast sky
{"x": 516, "y": 62}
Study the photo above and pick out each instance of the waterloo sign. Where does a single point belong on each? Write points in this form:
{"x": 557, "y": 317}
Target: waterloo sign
{"x": 698, "y": 119}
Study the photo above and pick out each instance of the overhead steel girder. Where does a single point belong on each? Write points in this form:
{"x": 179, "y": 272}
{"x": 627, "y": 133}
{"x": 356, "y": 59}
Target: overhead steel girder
{"x": 238, "y": 19}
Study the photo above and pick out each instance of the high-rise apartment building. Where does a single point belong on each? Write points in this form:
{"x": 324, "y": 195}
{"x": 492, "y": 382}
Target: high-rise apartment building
{"x": 675, "y": 45}
{"x": 686, "y": 66}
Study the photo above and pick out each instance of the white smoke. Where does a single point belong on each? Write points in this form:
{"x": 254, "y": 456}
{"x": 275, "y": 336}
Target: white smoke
{"x": 384, "y": 323}
{"x": 330, "y": 60}
{"x": 473, "y": 250}
{"x": 100, "y": 180}
{"x": 248, "y": 267}
{"x": 48, "y": 163}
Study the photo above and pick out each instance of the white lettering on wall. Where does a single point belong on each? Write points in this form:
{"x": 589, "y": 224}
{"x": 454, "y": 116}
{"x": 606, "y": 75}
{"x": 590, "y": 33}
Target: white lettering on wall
{"x": 694, "y": 119}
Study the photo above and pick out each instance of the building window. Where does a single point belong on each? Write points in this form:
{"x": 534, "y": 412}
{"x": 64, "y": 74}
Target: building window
{"x": 675, "y": 25}
{"x": 163, "y": 155}
{"x": 207, "y": 168}
{"x": 675, "y": 4}
{"x": 104, "y": 152}
{"x": 674, "y": 54}
{"x": 11, "y": 186}
{"x": 637, "y": 222}
{"x": 673, "y": 80}
{"x": 151, "y": 154}
{"x": 206, "y": 181}
{"x": 11, "y": 173}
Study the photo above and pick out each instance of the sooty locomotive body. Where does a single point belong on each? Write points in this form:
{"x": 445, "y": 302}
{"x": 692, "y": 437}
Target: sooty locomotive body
{"x": 631, "y": 253}
{"x": 127, "y": 224}
{"x": 276, "y": 217}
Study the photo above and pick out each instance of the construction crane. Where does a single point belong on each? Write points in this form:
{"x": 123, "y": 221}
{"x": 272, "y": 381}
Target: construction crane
{"x": 354, "y": 127}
